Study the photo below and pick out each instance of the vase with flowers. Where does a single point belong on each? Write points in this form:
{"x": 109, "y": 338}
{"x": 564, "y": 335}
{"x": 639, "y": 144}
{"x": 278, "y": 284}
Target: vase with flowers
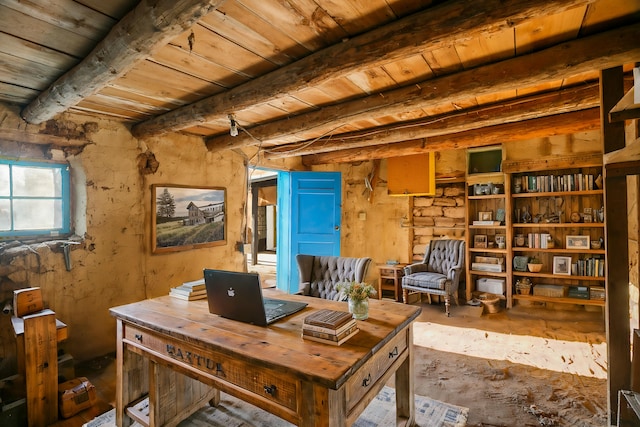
{"x": 358, "y": 298}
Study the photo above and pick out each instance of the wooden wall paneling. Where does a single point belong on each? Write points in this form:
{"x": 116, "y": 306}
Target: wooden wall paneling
{"x": 616, "y": 231}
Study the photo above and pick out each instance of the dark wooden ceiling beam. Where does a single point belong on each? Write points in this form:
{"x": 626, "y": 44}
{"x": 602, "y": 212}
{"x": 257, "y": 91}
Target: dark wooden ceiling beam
{"x": 595, "y": 52}
{"x": 562, "y": 124}
{"x": 435, "y": 27}
{"x": 151, "y": 25}
{"x": 514, "y": 110}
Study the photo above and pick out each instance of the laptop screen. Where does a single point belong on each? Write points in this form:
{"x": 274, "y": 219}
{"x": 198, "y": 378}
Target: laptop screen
{"x": 235, "y": 295}
{"x": 238, "y": 296}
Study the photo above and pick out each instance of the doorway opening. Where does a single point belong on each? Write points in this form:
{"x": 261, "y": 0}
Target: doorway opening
{"x": 260, "y": 245}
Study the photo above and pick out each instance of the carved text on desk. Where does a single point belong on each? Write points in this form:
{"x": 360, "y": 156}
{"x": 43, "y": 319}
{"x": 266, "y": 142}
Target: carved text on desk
{"x": 193, "y": 359}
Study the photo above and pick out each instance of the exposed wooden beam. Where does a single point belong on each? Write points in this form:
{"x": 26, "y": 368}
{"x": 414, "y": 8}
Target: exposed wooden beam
{"x": 561, "y": 61}
{"x": 548, "y": 104}
{"x": 562, "y": 124}
{"x": 26, "y": 136}
{"x": 433, "y": 28}
{"x": 150, "y": 26}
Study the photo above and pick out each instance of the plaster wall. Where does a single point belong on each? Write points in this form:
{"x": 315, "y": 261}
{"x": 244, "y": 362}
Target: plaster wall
{"x": 113, "y": 263}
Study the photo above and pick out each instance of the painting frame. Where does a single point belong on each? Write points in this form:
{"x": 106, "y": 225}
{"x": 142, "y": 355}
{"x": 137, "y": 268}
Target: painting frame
{"x": 577, "y": 242}
{"x": 185, "y": 217}
{"x": 562, "y": 265}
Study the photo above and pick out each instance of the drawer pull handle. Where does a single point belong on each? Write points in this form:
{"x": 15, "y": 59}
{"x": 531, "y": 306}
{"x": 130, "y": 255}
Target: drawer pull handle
{"x": 271, "y": 390}
{"x": 139, "y": 337}
{"x": 366, "y": 381}
{"x": 393, "y": 353}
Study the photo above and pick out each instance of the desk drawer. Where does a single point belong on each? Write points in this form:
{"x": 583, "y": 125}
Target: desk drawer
{"x": 361, "y": 382}
{"x": 274, "y": 386}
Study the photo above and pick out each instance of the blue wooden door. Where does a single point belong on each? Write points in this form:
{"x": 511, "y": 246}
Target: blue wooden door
{"x": 309, "y": 220}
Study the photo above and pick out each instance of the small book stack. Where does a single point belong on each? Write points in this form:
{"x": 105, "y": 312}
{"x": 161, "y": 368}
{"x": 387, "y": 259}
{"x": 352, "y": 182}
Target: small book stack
{"x": 329, "y": 326}
{"x": 190, "y": 291}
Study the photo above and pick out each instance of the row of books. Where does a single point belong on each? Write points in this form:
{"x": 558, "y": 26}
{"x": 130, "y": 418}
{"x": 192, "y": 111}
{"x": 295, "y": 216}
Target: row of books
{"x": 538, "y": 240}
{"x": 593, "y": 267}
{"x": 190, "y": 291}
{"x": 551, "y": 183}
{"x": 329, "y": 326}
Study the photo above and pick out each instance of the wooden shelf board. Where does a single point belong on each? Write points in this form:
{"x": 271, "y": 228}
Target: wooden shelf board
{"x": 559, "y": 299}
{"x": 487, "y": 196}
{"x": 559, "y": 276}
{"x": 559, "y": 225}
{"x": 557, "y": 194}
{"x": 484, "y": 227}
{"x": 625, "y": 109}
{"x": 491, "y": 250}
{"x": 561, "y": 250}
{"x": 488, "y": 273}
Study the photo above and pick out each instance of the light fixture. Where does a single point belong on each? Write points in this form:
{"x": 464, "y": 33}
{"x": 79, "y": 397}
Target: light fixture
{"x": 233, "y": 129}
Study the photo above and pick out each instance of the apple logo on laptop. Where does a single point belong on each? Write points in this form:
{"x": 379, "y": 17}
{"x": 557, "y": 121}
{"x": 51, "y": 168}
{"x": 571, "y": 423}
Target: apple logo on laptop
{"x": 231, "y": 292}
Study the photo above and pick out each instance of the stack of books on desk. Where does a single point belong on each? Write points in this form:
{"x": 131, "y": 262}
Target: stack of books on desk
{"x": 329, "y": 326}
{"x": 190, "y": 291}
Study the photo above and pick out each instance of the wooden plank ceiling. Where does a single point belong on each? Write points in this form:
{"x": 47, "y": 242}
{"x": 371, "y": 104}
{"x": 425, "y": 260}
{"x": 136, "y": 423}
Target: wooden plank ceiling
{"x": 329, "y": 80}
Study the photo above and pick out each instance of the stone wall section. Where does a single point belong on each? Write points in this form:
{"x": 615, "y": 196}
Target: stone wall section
{"x": 438, "y": 216}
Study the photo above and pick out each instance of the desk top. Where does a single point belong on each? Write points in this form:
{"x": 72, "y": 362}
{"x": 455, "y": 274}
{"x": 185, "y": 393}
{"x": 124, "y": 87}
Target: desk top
{"x": 279, "y": 346}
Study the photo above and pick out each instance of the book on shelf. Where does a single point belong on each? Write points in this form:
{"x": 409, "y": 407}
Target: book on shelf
{"x": 331, "y": 319}
{"x": 188, "y": 297}
{"x": 337, "y": 331}
{"x": 331, "y": 340}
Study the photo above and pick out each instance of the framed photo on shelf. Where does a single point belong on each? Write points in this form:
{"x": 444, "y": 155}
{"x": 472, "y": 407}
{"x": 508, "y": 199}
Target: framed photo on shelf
{"x": 577, "y": 242}
{"x": 480, "y": 241}
{"x": 485, "y": 216}
{"x": 562, "y": 265}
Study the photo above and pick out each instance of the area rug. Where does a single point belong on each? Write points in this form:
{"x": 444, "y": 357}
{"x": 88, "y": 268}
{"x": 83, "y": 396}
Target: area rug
{"x": 380, "y": 413}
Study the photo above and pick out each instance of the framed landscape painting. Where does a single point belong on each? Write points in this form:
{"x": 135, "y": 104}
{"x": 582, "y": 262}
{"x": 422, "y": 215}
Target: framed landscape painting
{"x": 185, "y": 217}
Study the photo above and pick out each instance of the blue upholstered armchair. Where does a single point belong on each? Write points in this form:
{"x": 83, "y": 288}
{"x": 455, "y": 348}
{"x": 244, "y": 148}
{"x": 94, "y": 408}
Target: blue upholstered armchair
{"x": 438, "y": 273}
{"x": 319, "y": 275}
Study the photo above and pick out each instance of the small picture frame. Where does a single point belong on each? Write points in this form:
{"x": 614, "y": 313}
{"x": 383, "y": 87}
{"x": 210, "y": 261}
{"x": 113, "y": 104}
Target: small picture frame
{"x": 485, "y": 216}
{"x": 480, "y": 241}
{"x": 562, "y": 265}
{"x": 577, "y": 242}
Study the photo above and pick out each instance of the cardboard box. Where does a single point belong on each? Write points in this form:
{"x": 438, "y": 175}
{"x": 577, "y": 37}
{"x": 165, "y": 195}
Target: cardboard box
{"x": 490, "y": 285}
{"x": 75, "y": 395}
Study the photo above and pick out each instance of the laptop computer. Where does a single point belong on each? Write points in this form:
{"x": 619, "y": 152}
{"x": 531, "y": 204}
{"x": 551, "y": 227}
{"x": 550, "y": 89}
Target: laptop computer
{"x": 238, "y": 296}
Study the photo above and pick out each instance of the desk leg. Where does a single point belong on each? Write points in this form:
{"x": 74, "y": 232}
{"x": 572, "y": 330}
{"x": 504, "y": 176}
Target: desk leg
{"x": 132, "y": 378}
{"x": 321, "y": 407}
{"x": 405, "y": 399}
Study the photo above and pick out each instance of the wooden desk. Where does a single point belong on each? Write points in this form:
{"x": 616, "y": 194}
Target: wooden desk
{"x": 390, "y": 279}
{"x": 303, "y": 382}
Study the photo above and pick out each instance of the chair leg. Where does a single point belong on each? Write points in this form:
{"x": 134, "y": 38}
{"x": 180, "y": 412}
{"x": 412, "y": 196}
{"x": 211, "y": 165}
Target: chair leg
{"x": 405, "y": 295}
{"x": 447, "y": 304}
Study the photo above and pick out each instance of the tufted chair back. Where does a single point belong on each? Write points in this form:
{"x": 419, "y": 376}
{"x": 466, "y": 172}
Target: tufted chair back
{"x": 445, "y": 257}
{"x": 320, "y": 274}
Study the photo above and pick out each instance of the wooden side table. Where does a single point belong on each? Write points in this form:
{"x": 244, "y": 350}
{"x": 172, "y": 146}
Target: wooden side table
{"x": 390, "y": 279}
